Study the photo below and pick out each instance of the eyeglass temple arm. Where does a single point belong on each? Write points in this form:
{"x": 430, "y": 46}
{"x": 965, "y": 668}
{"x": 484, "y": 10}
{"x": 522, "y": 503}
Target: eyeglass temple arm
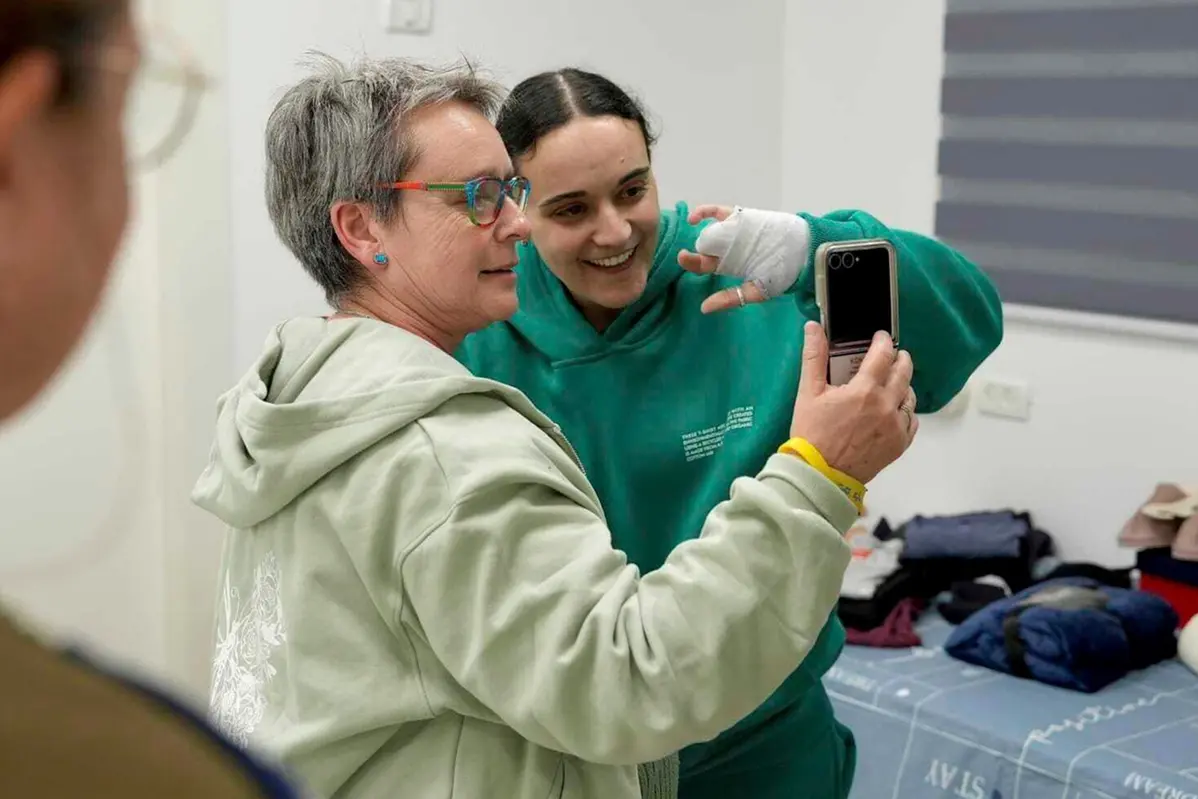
{"x": 419, "y": 185}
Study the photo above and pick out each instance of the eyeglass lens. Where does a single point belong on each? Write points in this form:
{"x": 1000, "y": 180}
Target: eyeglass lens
{"x": 489, "y": 194}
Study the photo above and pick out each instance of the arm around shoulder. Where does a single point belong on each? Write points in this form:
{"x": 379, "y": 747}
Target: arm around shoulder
{"x": 522, "y": 599}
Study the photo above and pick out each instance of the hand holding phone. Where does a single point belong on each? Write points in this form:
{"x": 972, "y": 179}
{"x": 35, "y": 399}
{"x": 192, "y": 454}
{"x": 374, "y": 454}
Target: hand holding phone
{"x": 860, "y": 428}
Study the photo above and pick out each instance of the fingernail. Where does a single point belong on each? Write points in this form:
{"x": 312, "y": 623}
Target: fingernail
{"x": 810, "y": 327}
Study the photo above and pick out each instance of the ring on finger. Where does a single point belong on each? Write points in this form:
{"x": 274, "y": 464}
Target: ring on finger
{"x": 740, "y": 296}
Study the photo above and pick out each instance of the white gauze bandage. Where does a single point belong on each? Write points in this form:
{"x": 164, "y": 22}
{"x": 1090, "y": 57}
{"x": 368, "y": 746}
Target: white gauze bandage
{"x": 767, "y": 248}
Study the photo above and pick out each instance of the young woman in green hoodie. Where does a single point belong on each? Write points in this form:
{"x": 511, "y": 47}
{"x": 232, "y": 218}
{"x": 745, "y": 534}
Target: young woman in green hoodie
{"x": 665, "y": 400}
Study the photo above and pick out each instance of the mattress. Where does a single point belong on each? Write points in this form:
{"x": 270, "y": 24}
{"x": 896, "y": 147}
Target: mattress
{"x": 931, "y": 726}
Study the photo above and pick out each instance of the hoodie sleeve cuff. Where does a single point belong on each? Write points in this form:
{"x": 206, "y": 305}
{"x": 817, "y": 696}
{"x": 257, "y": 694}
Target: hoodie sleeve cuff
{"x": 804, "y": 487}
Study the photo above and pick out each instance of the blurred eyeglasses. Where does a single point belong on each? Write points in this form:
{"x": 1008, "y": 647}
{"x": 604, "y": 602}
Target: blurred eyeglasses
{"x": 484, "y": 196}
{"x": 164, "y": 98}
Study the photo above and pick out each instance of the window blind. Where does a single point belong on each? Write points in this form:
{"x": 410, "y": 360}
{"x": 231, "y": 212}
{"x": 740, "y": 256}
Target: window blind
{"x": 1068, "y": 158}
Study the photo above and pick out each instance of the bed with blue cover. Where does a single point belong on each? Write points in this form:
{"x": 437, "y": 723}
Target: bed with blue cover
{"x": 928, "y": 725}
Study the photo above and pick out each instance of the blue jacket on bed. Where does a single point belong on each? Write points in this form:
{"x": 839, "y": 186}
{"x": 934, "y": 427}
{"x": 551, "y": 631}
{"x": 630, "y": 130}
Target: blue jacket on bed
{"x": 1073, "y": 632}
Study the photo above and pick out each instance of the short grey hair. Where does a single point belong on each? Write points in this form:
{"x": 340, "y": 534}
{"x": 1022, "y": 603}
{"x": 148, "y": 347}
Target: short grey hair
{"x": 339, "y": 133}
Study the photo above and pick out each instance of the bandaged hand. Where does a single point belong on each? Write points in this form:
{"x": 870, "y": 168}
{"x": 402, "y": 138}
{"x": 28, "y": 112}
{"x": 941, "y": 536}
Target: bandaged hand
{"x": 768, "y": 249}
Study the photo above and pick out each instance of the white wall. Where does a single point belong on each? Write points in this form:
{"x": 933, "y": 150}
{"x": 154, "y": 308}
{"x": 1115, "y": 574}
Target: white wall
{"x": 709, "y": 74}
{"x": 194, "y": 260}
{"x": 1115, "y": 404}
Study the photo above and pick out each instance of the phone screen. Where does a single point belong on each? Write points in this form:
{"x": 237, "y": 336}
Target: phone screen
{"x": 858, "y": 294}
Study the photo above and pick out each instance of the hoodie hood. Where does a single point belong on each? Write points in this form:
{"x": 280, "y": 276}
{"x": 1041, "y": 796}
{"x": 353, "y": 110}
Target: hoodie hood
{"x": 551, "y": 321}
{"x": 321, "y": 392}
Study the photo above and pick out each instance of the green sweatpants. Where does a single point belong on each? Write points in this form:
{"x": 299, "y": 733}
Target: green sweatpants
{"x": 802, "y": 753}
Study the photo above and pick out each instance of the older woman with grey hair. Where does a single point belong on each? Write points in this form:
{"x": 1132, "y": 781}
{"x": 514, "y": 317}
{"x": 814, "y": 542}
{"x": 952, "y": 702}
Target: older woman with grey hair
{"x": 420, "y": 594}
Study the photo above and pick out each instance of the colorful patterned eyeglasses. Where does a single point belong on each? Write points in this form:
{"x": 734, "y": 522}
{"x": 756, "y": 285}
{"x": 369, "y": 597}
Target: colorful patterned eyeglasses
{"x": 484, "y": 196}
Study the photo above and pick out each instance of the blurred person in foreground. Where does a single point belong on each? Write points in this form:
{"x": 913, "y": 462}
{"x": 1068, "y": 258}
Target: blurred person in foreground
{"x": 66, "y": 728}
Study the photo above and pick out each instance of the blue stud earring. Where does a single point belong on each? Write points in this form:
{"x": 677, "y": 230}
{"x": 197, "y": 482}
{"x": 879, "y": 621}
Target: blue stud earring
{"x": 380, "y": 258}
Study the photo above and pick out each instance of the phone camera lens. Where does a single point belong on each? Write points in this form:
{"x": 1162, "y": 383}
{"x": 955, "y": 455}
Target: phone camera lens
{"x": 834, "y": 260}
{"x": 849, "y": 260}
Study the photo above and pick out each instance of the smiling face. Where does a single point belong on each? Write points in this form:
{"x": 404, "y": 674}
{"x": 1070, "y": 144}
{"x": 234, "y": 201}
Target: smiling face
{"x": 594, "y": 211}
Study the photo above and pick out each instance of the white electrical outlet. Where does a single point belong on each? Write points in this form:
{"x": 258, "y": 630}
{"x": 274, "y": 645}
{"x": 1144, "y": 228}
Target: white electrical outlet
{"x": 1009, "y": 399}
{"x": 408, "y": 16}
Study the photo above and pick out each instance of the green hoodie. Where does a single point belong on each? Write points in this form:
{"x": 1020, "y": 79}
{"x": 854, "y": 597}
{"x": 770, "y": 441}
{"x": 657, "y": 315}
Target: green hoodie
{"x": 420, "y": 597}
{"x": 667, "y": 405}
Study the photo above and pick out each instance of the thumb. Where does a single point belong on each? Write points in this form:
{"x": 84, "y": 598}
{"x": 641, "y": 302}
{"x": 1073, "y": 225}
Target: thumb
{"x": 814, "y": 376}
{"x": 716, "y": 239}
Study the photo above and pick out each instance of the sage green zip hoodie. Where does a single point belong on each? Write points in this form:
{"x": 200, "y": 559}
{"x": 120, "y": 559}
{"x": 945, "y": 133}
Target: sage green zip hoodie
{"x": 420, "y": 595}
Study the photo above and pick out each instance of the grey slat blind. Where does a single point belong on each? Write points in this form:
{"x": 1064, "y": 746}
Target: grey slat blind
{"x": 1069, "y": 154}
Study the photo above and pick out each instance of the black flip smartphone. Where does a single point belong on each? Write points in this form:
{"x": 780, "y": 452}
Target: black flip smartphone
{"x": 856, "y": 285}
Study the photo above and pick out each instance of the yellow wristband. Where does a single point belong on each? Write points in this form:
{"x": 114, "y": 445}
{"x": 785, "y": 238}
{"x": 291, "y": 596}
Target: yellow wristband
{"x": 804, "y": 449}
